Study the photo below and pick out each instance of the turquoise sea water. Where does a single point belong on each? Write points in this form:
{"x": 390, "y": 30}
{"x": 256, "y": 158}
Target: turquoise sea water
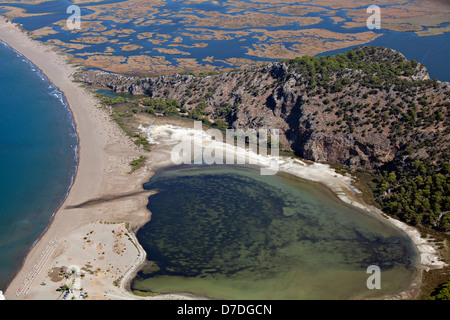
{"x": 38, "y": 143}
{"x": 38, "y": 157}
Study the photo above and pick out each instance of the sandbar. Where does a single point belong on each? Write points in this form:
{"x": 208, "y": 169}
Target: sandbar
{"x": 103, "y": 172}
{"x": 94, "y": 229}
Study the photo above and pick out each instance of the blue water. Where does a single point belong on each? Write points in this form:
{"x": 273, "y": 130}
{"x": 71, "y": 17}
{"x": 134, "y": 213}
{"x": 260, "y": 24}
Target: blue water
{"x": 226, "y": 232}
{"x": 38, "y": 157}
{"x": 431, "y": 51}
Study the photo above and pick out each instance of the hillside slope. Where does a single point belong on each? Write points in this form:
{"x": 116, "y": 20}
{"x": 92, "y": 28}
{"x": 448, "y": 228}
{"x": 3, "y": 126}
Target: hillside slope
{"x": 367, "y": 109}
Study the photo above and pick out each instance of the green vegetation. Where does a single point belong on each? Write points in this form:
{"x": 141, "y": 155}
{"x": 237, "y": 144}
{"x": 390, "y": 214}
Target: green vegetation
{"x": 167, "y": 107}
{"x": 186, "y": 73}
{"x": 370, "y": 73}
{"x": 378, "y": 70}
{"x": 123, "y": 108}
{"x": 137, "y": 163}
{"x": 220, "y": 124}
{"x": 116, "y": 282}
{"x": 442, "y": 292}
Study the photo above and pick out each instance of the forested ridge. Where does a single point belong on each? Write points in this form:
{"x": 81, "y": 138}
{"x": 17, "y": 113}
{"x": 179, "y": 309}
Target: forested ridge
{"x": 370, "y": 108}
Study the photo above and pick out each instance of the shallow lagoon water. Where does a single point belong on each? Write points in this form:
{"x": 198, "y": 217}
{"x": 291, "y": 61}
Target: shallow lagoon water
{"x": 430, "y": 51}
{"x": 226, "y": 232}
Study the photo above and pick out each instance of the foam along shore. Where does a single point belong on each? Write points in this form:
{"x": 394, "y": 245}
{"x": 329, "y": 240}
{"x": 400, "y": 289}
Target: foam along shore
{"x": 340, "y": 184}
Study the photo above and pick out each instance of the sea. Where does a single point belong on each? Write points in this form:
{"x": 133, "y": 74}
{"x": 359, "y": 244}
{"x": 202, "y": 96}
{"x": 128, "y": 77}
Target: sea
{"x": 39, "y": 153}
{"x": 38, "y": 157}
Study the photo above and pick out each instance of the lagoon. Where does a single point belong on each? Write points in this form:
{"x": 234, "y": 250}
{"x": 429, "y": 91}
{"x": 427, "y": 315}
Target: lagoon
{"x": 226, "y": 232}
{"x": 38, "y": 157}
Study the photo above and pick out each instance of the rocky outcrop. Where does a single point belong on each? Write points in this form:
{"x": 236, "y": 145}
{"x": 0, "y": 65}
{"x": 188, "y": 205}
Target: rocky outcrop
{"x": 357, "y": 110}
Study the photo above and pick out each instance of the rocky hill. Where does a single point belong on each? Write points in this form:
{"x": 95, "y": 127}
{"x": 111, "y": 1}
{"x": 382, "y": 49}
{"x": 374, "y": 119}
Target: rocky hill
{"x": 356, "y": 109}
{"x": 370, "y": 108}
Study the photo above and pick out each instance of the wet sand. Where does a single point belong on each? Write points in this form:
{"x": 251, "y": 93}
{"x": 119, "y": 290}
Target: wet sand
{"x": 103, "y": 171}
{"x": 94, "y": 228}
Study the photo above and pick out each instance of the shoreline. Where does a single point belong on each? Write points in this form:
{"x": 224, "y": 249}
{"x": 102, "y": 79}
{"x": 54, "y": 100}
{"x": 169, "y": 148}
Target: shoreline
{"x": 102, "y": 176}
{"x": 104, "y": 153}
{"x": 340, "y": 185}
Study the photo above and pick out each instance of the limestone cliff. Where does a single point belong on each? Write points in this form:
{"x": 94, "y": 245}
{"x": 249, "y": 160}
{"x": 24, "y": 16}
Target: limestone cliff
{"x": 357, "y": 109}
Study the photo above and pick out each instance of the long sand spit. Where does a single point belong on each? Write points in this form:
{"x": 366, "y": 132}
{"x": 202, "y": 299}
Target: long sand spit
{"x": 102, "y": 173}
{"x": 94, "y": 229}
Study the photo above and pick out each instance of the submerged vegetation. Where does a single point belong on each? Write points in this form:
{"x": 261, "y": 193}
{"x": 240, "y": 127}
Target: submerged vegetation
{"x": 368, "y": 97}
{"x": 238, "y": 235}
{"x": 416, "y": 190}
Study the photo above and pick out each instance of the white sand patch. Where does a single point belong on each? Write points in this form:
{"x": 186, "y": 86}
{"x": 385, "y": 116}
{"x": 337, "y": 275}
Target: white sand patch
{"x": 317, "y": 172}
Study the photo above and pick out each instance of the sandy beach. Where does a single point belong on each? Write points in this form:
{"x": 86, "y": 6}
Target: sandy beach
{"x": 103, "y": 173}
{"x": 91, "y": 242}
{"x": 171, "y": 134}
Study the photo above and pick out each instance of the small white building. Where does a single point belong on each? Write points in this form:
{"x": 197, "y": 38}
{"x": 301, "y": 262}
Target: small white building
{"x": 2, "y": 297}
